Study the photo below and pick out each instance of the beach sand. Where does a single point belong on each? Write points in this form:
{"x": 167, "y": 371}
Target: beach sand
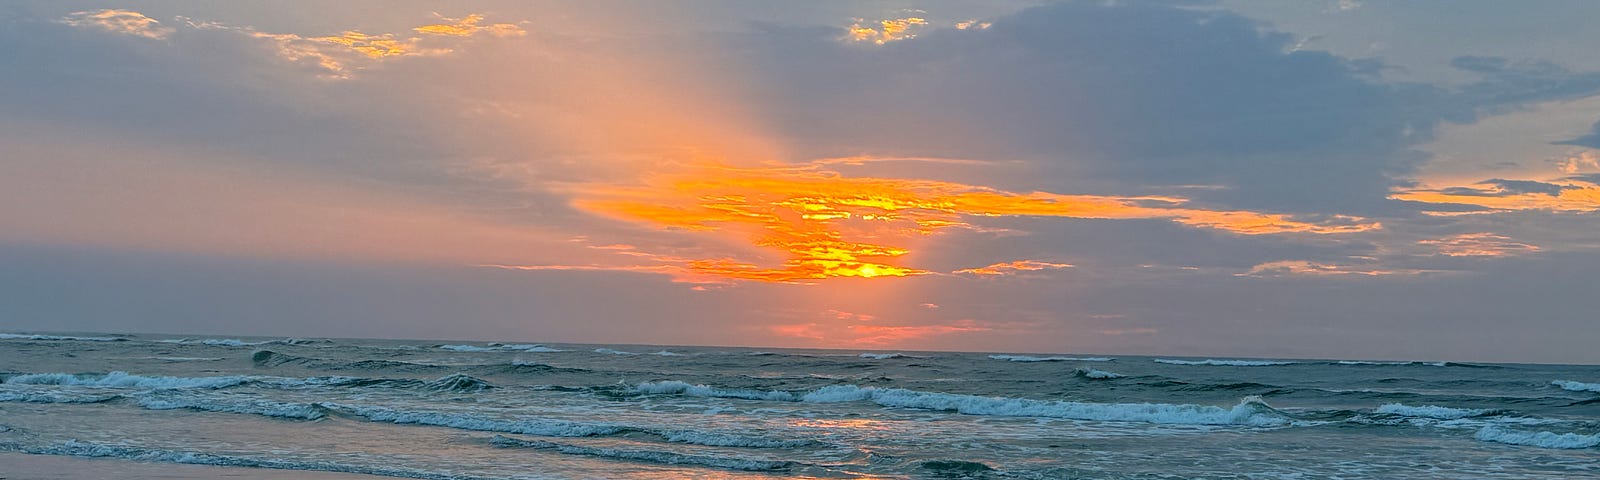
{"x": 19, "y": 466}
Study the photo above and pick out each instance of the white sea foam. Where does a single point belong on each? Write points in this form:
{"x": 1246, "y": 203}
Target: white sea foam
{"x": 229, "y": 342}
{"x": 1363, "y": 362}
{"x": 234, "y": 342}
{"x": 1026, "y": 358}
{"x": 21, "y": 336}
{"x": 497, "y": 347}
{"x": 1537, "y": 439}
{"x": 653, "y": 456}
{"x": 884, "y": 356}
{"x": 1094, "y": 374}
{"x": 1251, "y": 411}
{"x": 531, "y": 348}
{"x": 125, "y": 380}
{"x": 55, "y": 396}
{"x": 1431, "y": 411}
{"x": 1225, "y": 363}
{"x": 613, "y": 352}
{"x": 665, "y": 353}
{"x": 1577, "y": 386}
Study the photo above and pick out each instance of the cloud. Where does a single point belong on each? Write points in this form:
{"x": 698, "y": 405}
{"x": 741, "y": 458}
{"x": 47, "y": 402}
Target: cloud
{"x": 885, "y": 31}
{"x": 1587, "y": 160}
{"x": 829, "y": 225}
{"x": 1136, "y": 94}
{"x": 337, "y": 55}
{"x": 468, "y": 26}
{"x": 1592, "y": 140}
{"x": 125, "y": 22}
{"x": 1284, "y": 268}
{"x": 1481, "y": 244}
{"x": 340, "y": 55}
{"x": 1570, "y": 195}
{"x": 1012, "y": 268}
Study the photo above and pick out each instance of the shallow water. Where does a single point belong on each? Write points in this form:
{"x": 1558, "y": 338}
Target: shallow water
{"x": 457, "y": 410}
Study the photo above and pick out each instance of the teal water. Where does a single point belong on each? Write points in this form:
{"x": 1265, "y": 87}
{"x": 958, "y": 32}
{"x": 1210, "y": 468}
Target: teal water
{"x": 457, "y": 410}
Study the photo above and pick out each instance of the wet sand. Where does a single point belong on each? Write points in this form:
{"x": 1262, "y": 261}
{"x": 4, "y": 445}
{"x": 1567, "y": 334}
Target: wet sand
{"x": 19, "y": 466}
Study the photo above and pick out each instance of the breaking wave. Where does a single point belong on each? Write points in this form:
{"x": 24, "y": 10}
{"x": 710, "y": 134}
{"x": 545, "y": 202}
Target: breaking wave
{"x": 1225, "y": 363}
{"x": 125, "y": 380}
{"x": 1537, "y": 439}
{"x": 674, "y": 387}
{"x": 500, "y": 347}
{"x": 1092, "y": 374}
{"x": 56, "y": 396}
{"x": 234, "y": 342}
{"x": 1250, "y": 411}
{"x": 1364, "y": 362}
{"x": 652, "y": 456}
{"x": 458, "y": 383}
{"x": 1026, "y": 358}
{"x": 1433, "y": 411}
{"x": 885, "y": 356}
{"x": 1577, "y": 386}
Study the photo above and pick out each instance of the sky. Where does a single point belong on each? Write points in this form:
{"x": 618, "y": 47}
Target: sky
{"x": 1316, "y": 179}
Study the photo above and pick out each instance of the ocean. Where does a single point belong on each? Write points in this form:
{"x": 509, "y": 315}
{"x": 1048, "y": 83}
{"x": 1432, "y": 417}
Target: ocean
{"x": 475, "y": 410}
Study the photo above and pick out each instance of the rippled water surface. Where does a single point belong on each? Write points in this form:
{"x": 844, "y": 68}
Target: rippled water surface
{"x": 454, "y": 410}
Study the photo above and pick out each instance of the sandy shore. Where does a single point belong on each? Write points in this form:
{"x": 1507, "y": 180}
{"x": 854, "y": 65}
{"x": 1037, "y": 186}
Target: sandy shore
{"x": 18, "y": 466}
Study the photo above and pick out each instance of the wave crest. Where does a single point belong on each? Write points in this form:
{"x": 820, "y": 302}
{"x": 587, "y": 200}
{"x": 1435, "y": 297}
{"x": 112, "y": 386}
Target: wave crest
{"x": 1432, "y": 411}
{"x": 1027, "y": 358}
{"x": 1537, "y": 439}
{"x": 1093, "y": 374}
{"x": 1577, "y": 386}
{"x": 1251, "y": 411}
{"x": 1226, "y": 363}
{"x": 124, "y": 380}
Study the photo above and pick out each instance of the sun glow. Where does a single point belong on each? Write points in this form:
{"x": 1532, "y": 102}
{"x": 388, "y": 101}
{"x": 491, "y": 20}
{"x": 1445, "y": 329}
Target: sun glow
{"x": 829, "y": 226}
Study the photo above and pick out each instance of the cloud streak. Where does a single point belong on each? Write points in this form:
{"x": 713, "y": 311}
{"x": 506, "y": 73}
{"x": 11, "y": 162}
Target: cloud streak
{"x": 827, "y": 225}
{"x": 126, "y": 22}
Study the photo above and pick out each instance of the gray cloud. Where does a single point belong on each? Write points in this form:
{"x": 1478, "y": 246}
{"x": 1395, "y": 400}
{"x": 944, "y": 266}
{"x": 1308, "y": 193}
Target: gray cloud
{"x": 1592, "y": 140}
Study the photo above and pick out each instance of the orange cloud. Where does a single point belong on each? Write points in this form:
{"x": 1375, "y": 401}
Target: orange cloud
{"x": 1567, "y": 195}
{"x": 885, "y": 31}
{"x": 1479, "y": 245}
{"x": 337, "y": 55}
{"x": 973, "y": 25}
{"x": 468, "y": 26}
{"x": 828, "y": 226}
{"x": 1283, "y": 268}
{"x": 1010, "y": 268}
{"x": 126, "y": 22}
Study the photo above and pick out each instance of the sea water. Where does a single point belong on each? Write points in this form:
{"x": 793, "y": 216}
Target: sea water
{"x": 466, "y": 410}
